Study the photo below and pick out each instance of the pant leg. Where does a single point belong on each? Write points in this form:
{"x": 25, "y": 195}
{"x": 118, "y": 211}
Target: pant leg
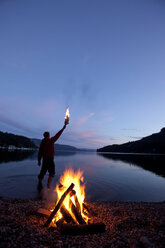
{"x": 43, "y": 169}
{"x": 51, "y": 167}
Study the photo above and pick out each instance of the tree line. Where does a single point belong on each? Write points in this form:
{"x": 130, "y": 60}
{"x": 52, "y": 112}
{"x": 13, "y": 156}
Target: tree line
{"x": 9, "y": 139}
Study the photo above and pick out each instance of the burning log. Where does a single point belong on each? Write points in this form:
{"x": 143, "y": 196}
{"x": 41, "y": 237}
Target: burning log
{"x": 76, "y": 213}
{"x": 73, "y": 193}
{"x": 87, "y": 211}
{"x": 60, "y": 222}
{"x": 71, "y": 229}
{"x": 58, "y": 205}
{"x": 86, "y": 207}
{"x": 66, "y": 215}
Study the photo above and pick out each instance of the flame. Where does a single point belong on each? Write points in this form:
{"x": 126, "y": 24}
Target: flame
{"x": 66, "y": 179}
{"x": 67, "y": 114}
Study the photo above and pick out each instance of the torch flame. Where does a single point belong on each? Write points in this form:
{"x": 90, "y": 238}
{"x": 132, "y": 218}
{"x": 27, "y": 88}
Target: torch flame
{"x": 67, "y": 114}
{"x": 66, "y": 179}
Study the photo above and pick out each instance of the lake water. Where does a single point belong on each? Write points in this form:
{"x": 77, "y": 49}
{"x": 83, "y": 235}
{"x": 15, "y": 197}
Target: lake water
{"x": 108, "y": 177}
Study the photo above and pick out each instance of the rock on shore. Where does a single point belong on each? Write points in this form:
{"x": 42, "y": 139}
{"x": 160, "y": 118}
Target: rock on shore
{"x": 128, "y": 224}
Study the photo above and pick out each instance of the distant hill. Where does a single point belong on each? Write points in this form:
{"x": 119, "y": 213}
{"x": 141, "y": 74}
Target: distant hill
{"x": 87, "y": 150}
{"x": 36, "y": 142}
{"x": 58, "y": 147}
{"x": 12, "y": 141}
{"x": 154, "y": 143}
{"x": 9, "y": 140}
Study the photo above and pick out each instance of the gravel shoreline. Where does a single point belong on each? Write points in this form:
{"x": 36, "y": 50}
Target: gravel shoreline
{"x": 128, "y": 224}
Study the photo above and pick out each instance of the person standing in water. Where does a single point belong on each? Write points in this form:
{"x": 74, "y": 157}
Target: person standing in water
{"x": 46, "y": 153}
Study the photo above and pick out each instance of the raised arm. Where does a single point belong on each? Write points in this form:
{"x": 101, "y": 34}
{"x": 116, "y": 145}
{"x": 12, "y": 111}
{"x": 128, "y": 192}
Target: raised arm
{"x": 54, "y": 138}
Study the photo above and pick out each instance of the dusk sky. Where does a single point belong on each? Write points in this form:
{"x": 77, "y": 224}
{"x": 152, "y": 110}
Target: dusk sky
{"x": 104, "y": 59}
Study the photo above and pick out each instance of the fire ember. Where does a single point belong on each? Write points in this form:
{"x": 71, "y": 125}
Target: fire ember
{"x": 71, "y": 214}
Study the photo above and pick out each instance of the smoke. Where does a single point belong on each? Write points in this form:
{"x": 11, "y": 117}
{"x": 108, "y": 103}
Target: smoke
{"x": 49, "y": 195}
{"x": 80, "y": 92}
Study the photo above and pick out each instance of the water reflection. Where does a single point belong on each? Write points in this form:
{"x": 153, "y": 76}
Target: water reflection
{"x": 19, "y": 155}
{"x": 65, "y": 153}
{"x": 109, "y": 179}
{"x": 153, "y": 163}
{"x": 15, "y": 155}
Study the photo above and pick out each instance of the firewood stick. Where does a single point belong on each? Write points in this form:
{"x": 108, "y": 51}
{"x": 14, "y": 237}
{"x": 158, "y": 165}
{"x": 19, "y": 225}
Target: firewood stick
{"x": 76, "y": 213}
{"x": 43, "y": 211}
{"x": 66, "y": 215}
{"x": 87, "y": 215}
{"x": 73, "y": 193}
{"x": 58, "y": 205}
{"x": 60, "y": 222}
{"x": 85, "y": 206}
{"x": 77, "y": 203}
{"x": 90, "y": 213}
{"x": 71, "y": 229}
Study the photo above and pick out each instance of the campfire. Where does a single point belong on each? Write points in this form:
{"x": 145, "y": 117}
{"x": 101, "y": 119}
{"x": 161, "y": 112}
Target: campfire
{"x": 71, "y": 214}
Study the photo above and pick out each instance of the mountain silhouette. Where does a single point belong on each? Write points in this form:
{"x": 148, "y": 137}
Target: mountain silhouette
{"x": 154, "y": 143}
{"x": 57, "y": 147}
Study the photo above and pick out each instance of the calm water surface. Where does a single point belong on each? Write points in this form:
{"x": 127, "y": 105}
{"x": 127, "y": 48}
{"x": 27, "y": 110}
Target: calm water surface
{"x": 107, "y": 178}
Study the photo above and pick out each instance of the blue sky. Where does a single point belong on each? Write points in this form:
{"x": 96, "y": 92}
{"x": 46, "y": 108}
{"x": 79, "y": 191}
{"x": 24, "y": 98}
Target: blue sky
{"x": 105, "y": 59}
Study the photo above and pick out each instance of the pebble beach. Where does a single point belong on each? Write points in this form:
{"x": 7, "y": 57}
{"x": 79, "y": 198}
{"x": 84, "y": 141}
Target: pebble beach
{"x": 128, "y": 224}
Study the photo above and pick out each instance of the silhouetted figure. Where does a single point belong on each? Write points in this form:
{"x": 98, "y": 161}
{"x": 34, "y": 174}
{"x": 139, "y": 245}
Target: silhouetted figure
{"x": 46, "y": 153}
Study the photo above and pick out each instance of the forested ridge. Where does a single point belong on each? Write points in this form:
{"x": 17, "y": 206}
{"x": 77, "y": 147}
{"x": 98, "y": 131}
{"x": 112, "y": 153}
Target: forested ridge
{"x": 154, "y": 143}
{"x": 9, "y": 139}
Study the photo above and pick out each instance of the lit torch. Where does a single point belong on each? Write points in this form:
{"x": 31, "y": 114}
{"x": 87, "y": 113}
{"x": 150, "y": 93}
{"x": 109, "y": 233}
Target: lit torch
{"x": 67, "y": 116}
